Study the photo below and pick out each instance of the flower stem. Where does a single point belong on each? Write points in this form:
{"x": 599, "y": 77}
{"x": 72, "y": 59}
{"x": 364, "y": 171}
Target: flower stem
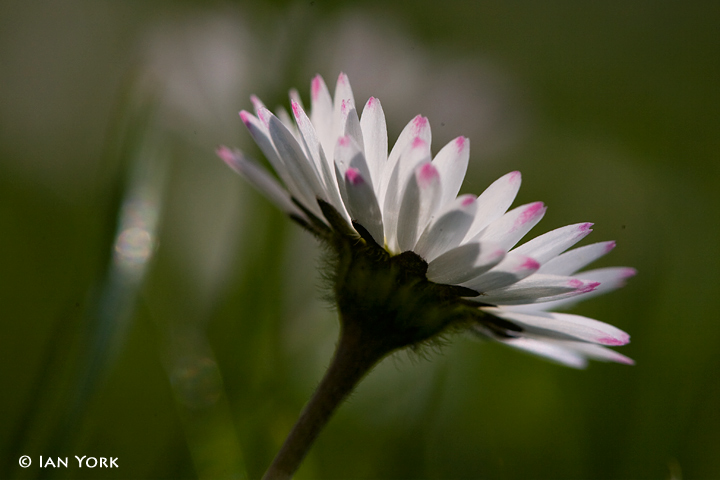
{"x": 354, "y": 357}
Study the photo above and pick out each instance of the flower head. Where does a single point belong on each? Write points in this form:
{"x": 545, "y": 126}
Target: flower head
{"x": 413, "y": 257}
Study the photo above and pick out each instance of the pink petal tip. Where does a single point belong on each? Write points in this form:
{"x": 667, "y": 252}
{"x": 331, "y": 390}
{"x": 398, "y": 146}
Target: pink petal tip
{"x": 531, "y": 212}
{"x": 586, "y": 228}
{"x": 468, "y": 200}
{"x": 529, "y": 264}
{"x": 419, "y": 123}
{"x": 629, "y": 272}
{"x": 316, "y": 86}
{"x": 223, "y": 152}
{"x": 353, "y": 176}
{"x": 624, "y": 360}
{"x": 265, "y": 115}
{"x": 257, "y": 103}
{"x": 228, "y": 156}
{"x": 427, "y": 174}
{"x": 581, "y": 286}
{"x": 614, "y": 342}
{"x": 295, "y": 108}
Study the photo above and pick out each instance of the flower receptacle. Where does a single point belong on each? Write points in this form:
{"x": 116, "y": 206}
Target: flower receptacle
{"x": 387, "y": 299}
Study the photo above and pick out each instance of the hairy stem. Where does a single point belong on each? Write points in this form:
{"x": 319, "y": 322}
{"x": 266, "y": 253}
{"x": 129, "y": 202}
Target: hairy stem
{"x": 354, "y": 357}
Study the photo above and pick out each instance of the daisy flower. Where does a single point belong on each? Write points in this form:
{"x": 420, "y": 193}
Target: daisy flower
{"x": 412, "y": 258}
{"x": 336, "y": 160}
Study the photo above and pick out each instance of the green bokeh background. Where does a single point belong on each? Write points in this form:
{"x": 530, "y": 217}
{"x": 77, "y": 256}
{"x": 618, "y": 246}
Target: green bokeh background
{"x": 196, "y": 364}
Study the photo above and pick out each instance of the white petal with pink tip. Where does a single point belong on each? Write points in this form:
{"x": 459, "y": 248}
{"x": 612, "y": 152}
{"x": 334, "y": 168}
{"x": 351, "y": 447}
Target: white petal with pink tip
{"x": 419, "y": 202}
{"x": 551, "y": 244}
{"x": 538, "y": 288}
{"x": 259, "y": 177}
{"x": 494, "y": 202}
{"x": 417, "y": 153}
{"x": 452, "y": 162}
{"x": 417, "y": 130}
{"x": 321, "y": 113}
{"x": 511, "y": 227}
{"x": 315, "y": 151}
{"x": 372, "y": 123}
{"x": 566, "y": 326}
{"x": 362, "y": 204}
{"x": 261, "y": 136}
{"x": 300, "y": 168}
{"x": 447, "y": 229}
{"x": 572, "y": 261}
{"x": 547, "y": 348}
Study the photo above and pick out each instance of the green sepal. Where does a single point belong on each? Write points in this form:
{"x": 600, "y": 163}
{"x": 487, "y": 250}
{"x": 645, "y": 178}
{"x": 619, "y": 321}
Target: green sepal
{"x": 411, "y": 263}
{"x": 316, "y": 226}
{"x": 365, "y": 235}
{"x": 337, "y": 222}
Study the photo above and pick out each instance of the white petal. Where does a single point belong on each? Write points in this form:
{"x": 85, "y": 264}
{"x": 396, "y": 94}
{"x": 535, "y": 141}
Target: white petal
{"x": 307, "y": 135}
{"x": 374, "y": 132}
{"x": 417, "y": 129}
{"x": 551, "y": 244}
{"x": 613, "y": 277}
{"x": 348, "y": 154}
{"x": 554, "y": 351}
{"x": 315, "y": 151}
{"x": 262, "y": 180}
{"x": 260, "y": 134}
{"x": 419, "y": 202}
{"x": 448, "y": 228}
{"x": 452, "y": 163}
{"x": 609, "y": 279}
{"x": 569, "y": 353}
{"x": 598, "y": 352}
{"x": 299, "y": 166}
{"x": 353, "y": 128}
{"x": 257, "y": 104}
{"x": 572, "y": 261}
{"x": 537, "y": 288}
{"x": 464, "y": 263}
{"x": 284, "y": 117}
{"x": 345, "y": 121}
{"x": 417, "y": 153}
{"x": 321, "y": 113}
{"x": 511, "y": 227}
{"x": 563, "y": 326}
{"x": 494, "y": 202}
{"x": 511, "y": 269}
{"x": 362, "y": 204}
{"x": 605, "y": 279}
